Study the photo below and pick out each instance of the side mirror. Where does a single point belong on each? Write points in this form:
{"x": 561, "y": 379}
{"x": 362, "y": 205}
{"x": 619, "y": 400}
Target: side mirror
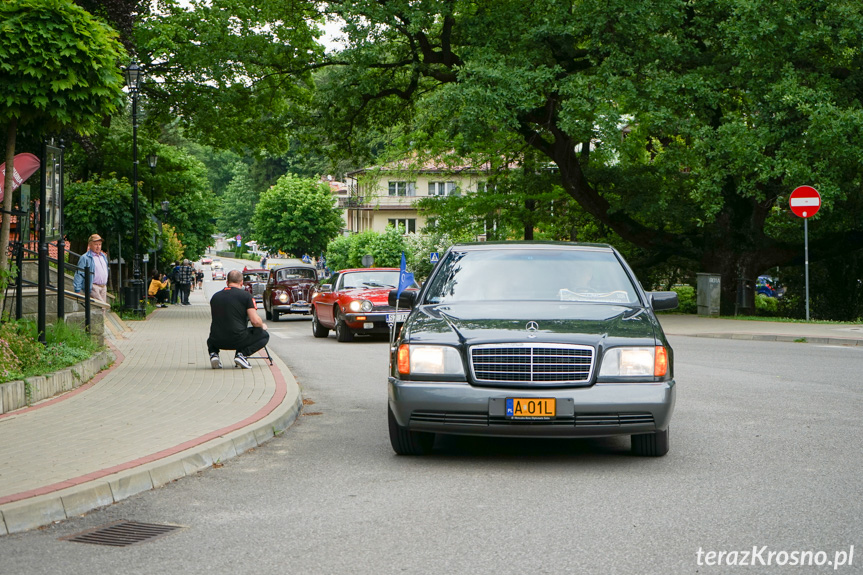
{"x": 662, "y": 300}
{"x": 325, "y": 288}
{"x": 406, "y": 300}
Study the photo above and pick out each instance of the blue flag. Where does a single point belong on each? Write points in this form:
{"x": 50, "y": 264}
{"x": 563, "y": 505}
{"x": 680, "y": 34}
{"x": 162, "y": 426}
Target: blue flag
{"x": 406, "y": 279}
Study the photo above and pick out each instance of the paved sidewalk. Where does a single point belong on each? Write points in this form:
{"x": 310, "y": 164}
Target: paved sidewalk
{"x": 160, "y": 413}
{"x": 697, "y": 326}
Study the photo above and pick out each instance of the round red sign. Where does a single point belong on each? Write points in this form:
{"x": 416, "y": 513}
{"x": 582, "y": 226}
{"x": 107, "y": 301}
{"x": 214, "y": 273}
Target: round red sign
{"x": 805, "y": 201}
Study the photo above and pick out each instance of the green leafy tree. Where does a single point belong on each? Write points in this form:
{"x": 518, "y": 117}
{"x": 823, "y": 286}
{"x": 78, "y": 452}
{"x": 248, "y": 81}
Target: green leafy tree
{"x": 297, "y": 216}
{"x": 59, "y": 68}
{"x": 102, "y": 206}
{"x": 387, "y": 248}
{"x": 680, "y": 127}
{"x": 236, "y": 72}
{"x": 338, "y": 253}
{"x": 172, "y": 248}
{"x": 238, "y": 203}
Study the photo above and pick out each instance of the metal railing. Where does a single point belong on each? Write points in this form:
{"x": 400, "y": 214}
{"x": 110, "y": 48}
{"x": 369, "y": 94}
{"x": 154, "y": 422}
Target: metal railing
{"x": 43, "y": 284}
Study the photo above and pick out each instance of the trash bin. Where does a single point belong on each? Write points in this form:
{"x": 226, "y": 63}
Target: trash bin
{"x": 745, "y": 296}
{"x": 128, "y": 293}
{"x": 708, "y": 294}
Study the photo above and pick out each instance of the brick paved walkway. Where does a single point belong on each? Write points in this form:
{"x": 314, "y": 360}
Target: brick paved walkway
{"x": 161, "y": 412}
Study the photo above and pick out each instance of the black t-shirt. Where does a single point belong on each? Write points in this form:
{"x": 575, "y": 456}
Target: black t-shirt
{"x": 228, "y": 308}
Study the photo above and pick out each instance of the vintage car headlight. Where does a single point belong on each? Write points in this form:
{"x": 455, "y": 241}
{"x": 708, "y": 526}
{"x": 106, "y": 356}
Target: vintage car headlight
{"x": 360, "y": 305}
{"x": 429, "y": 360}
{"x": 282, "y": 297}
{"x": 643, "y": 361}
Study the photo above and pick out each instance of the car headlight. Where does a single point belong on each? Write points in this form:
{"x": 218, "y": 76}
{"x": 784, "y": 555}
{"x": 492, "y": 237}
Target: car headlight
{"x": 360, "y": 305}
{"x": 639, "y": 361}
{"x": 283, "y": 297}
{"x": 429, "y": 360}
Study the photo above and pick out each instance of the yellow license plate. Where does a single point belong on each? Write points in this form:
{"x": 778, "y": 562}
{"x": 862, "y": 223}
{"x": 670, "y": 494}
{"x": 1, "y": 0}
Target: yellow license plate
{"x": 530, "y": 408}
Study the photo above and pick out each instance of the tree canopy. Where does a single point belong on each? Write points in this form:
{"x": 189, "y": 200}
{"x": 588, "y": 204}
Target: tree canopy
{"x": 682, "y": 127}
{"x": 297, "y": 216}
{"x": 59, "y": 68}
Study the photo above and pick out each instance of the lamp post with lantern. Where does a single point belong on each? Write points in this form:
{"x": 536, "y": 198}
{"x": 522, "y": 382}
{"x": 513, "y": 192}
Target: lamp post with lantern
{"x": 134, "y": 77}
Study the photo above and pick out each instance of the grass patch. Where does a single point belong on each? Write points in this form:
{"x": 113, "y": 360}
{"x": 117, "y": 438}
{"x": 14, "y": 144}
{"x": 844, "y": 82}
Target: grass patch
{"x": 788, "y": 320}
{"x": 22, "y": 355}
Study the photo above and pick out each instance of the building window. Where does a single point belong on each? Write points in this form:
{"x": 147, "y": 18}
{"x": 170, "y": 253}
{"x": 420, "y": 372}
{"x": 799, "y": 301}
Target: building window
{"x": 402, "y": 189}
{"x": 404, "y": 225}
{"x": 442, "y": 189}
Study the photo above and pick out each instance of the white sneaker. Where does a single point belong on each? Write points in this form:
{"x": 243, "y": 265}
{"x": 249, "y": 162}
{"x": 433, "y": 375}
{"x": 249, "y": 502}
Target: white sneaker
{"x": 241, "y": 361}
{"x": 215, "y": 362}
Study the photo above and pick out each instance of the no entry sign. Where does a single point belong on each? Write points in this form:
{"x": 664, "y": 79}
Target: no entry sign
{"x": 805, "y": 201}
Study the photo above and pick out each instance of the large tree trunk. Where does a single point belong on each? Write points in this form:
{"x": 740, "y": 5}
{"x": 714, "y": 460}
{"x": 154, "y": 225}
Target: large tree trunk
{"x": 7, "y": 193}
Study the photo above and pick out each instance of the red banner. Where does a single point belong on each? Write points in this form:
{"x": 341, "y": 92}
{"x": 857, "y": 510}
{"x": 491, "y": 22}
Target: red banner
{"x": 25, "y": 166}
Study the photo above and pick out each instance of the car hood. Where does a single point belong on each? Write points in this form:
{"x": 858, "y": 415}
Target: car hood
{"x": 556, "y": 322}
{"x": 377, "y": 296}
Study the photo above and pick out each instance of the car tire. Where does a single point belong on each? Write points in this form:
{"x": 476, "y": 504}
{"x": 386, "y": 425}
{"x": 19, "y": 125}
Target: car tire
{"x": 317, "y": 329}
{"x": 276, "y": 315}
{"x": 650, "y": 444}
{"x": 343, "y": 332}
{"x": 268, "y": 314}
{"x": 406, "y": 442}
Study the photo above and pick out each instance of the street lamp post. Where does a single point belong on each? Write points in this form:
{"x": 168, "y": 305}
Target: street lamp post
{"x": 134, "y": 75}
{"x": 151, "y": 161}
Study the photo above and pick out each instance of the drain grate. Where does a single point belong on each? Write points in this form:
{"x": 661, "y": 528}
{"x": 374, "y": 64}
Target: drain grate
{"x": 121, "y": 534}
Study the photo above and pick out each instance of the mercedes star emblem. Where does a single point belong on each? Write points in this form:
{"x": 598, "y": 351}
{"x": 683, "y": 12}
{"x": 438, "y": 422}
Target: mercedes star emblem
{"x": 532, "y": 327}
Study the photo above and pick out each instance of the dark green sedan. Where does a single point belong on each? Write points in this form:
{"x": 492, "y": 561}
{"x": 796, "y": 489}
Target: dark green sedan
{"x": 524, "y": 339}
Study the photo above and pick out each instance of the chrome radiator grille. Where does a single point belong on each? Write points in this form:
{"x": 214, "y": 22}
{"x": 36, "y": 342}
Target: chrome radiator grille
{"x": 258, "y": 288}
{"x": 538, "y": 364}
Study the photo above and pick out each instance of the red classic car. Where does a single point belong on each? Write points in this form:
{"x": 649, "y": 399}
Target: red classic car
{"x": 289, "y": 290}
{"x": 255, "y": 282}
{"x": 354, "y": 301}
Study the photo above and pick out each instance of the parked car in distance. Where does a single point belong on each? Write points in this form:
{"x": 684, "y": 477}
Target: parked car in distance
{"x": 532, "y": 339}
{"x": 206, "y": 260}
{"x": 769, "y": 286}
{"x": 255, "y": 282}
{"x": 218, "y": 274}
{"x": 289, "y": 289}
{"x": 354, "y": 301}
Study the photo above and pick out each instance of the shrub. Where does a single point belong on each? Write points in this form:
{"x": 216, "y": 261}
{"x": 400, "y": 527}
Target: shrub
{"x": 21, "y": 337}
{"x": 686, "y": 298}
{"x": 764, "y": 305}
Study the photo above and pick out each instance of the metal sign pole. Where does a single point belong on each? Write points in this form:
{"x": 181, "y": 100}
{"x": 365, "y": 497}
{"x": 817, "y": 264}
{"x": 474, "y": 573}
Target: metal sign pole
{"x": 806, "y": 260}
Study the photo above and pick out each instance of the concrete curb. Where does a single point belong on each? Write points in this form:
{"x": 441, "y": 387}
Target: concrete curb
{"x": 76, "y": 500}
{"x": 770, "y": 337}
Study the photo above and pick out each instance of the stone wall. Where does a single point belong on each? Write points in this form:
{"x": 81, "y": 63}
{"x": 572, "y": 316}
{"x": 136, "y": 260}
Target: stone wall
{"x": 13, "y": 394}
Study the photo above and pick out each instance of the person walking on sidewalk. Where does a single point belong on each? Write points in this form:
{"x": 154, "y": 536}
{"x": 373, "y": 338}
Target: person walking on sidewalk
{"x": 231, "y": 308}
{"x": 97, "y": 261}
{"x": 185, "y": 278}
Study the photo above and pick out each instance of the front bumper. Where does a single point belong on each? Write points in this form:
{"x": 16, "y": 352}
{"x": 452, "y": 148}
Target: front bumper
{"x": 296, "y": 307}
{"x": 602, "y": 410}
{"x": 374, "y": 322}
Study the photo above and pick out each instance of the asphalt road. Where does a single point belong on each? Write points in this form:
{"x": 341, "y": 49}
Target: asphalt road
{"x": 765, "y": 452}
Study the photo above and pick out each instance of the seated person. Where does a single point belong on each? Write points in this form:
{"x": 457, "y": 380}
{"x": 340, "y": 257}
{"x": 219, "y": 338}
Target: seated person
{"x": 159, "y": 288}
{"x": 232, "y": 308}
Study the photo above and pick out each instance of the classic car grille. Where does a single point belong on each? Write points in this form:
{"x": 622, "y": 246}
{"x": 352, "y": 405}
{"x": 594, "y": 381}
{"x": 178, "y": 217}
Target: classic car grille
{"x": 258, "y": 289}
{"x": 540, "y": 364}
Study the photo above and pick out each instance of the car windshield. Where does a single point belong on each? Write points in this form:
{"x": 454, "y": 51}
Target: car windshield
{"x": 255, "y": 277}
{"x": 372, "y": 279}
{"x": 297, "y": 274}
{"x": 562, "y": 275}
